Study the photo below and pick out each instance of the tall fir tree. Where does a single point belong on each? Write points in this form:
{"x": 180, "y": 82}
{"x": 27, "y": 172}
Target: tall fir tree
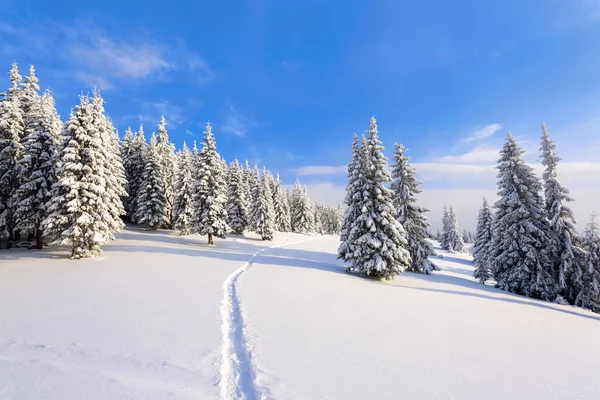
{"x": 237, "y": 212}
{"x": 589, "y": 295}
{"x": 412, "y": 216}
{"x": 166, "y": 154}
{"x": 12, "y": 128}
{"x": 454, "y": 235}
{"x": 520, "y": 250}
{"x": 38, "y": 165}
{"x": 380, "y": 245}
{"x": 183, "y": 204}
{"x": 483, "y": 241}
{"x": 302, "y": 218}
{"x": 247, "y": 185}
{"x": 135, "y": 163}
{"x": 281, "y": 207}
{"x": 151, "y": 200}
{"x": 566, "y": 254}
{"x": 113, "y": 171}
{"x": 263, "y": 218}
{"x": 210, "y": 191}
{"x": 317, "y": 216}
{"x": 353, "y": 200}
{"x": 446, "y": 227}
{"x": 77, "y": 211}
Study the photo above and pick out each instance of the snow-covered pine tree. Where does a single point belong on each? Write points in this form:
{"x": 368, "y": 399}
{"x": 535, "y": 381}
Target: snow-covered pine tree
{"x": 210, "y": 187}
{"x": 521, "y": 263}
{"x": 134, "y": 163}
{"x": 412, "y": 216}
{"x": 113, "y": 171}
{"x": 126, "y": 149}
{"x": 151, "y": 200}
{"x": 483, "y": 240}
{"x": 455, "y": 237}
{"x": 183, "y": 204}
{"x": 77, "y": 213}
{"x": 317, "y": 216}
{"x": 446, "y": 229}
{"x": 38, "y": 166}
{"x": 589, "y": 295}
{"x": 237, "y": 213}
{"x": 263, "y": 222}
{"x": 379, "y": 239}
{"x": 248, "y": 186}
{"x": 166, "y": 154}
{"x": 282, "y": 212}
{"x": 566, "y": 254}
{"x": 332, "y": 219}
{"x": 353, "y": 200}
{"x": 302, "y": 218}
{"x": 12, "y": 128}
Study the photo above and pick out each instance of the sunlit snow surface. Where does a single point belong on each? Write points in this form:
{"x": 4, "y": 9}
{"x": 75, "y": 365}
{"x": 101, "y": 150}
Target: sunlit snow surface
{"x": 157, "y": 314}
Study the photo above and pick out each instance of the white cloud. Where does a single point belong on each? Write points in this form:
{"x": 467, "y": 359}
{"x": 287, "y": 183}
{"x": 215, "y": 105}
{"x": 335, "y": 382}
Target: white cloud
{"x": 96, "y": 56}
{"x": 321, "y": 170}
{"x": 483, "y": 133}
{"x": 93, "y": 81}
{"x": 476, "y": 156}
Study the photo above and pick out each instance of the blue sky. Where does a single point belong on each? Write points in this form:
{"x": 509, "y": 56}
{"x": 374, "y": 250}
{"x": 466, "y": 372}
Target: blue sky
{"x": 287, "y": 83}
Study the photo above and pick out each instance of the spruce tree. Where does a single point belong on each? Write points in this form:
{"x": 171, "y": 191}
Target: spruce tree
{"x": 166, "y": 154}
{"x": 410, "y": 214}
{"x": 263, "y": 218}
{"x": 113, "y": 171}
{"x": 237, "y": 213}
{"x": 282, "y": 211}
{"x": 353, "y": 200}
{"x": 302, "y": 218}
{"x": 565, "y": 255}
{"x": 77, "y": 213}
{"x": 38, "y": 166}
{"x": 380, "y": 245}
{"x": 483, "y": 240}
{"x": 151, "y": 200}
{"x": 183, "y": 204}
{"x": 29, "y": 93}
{"x": 210, "y": 191}
{"x": 318, "y": 226}
{"x": 521, "y": 233}
{"x": 455, "y": 237}
{"x": 589, "y": 295}
{"x": 446, "y": 230}
{"x": 12, "y": 128}
{"x": 134, "y": 163}
{"x": 248, "y": 185}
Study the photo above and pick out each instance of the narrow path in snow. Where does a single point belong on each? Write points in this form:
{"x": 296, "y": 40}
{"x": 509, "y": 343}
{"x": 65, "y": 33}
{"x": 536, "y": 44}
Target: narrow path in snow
{"x": 237, "y": 380}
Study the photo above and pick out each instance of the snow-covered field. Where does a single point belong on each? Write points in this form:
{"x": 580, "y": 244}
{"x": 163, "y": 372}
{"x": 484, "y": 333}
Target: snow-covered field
{"x": 160, "y": 316}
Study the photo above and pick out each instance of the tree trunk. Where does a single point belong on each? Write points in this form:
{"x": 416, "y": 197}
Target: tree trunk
{"x": 38, "y": 239}
{"x": 210, "y": 240}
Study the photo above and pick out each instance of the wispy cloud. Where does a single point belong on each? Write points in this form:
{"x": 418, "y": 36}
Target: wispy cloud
{"x": 479, "y": 155}
{"x": 235, "y": 122}
{"x": 98, "y": 57}
{"x": 151, "y": 112}
{"x": 482, "y": 133}
{"x": 321, "y": 170}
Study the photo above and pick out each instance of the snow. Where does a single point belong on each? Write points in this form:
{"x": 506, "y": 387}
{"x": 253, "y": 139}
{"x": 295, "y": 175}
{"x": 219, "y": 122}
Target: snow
{"x": 156, "y": 315}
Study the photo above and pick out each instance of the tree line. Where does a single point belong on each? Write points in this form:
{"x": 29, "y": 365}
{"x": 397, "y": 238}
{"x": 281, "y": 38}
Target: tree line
{"x": 76, "y": 182}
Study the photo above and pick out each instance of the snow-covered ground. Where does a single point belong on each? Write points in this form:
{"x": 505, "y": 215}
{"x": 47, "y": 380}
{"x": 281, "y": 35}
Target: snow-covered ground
{"x": 160, "y": 316}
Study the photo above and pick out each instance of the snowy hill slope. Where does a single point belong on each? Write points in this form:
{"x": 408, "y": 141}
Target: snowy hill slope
{"x": 160, "y": 316}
